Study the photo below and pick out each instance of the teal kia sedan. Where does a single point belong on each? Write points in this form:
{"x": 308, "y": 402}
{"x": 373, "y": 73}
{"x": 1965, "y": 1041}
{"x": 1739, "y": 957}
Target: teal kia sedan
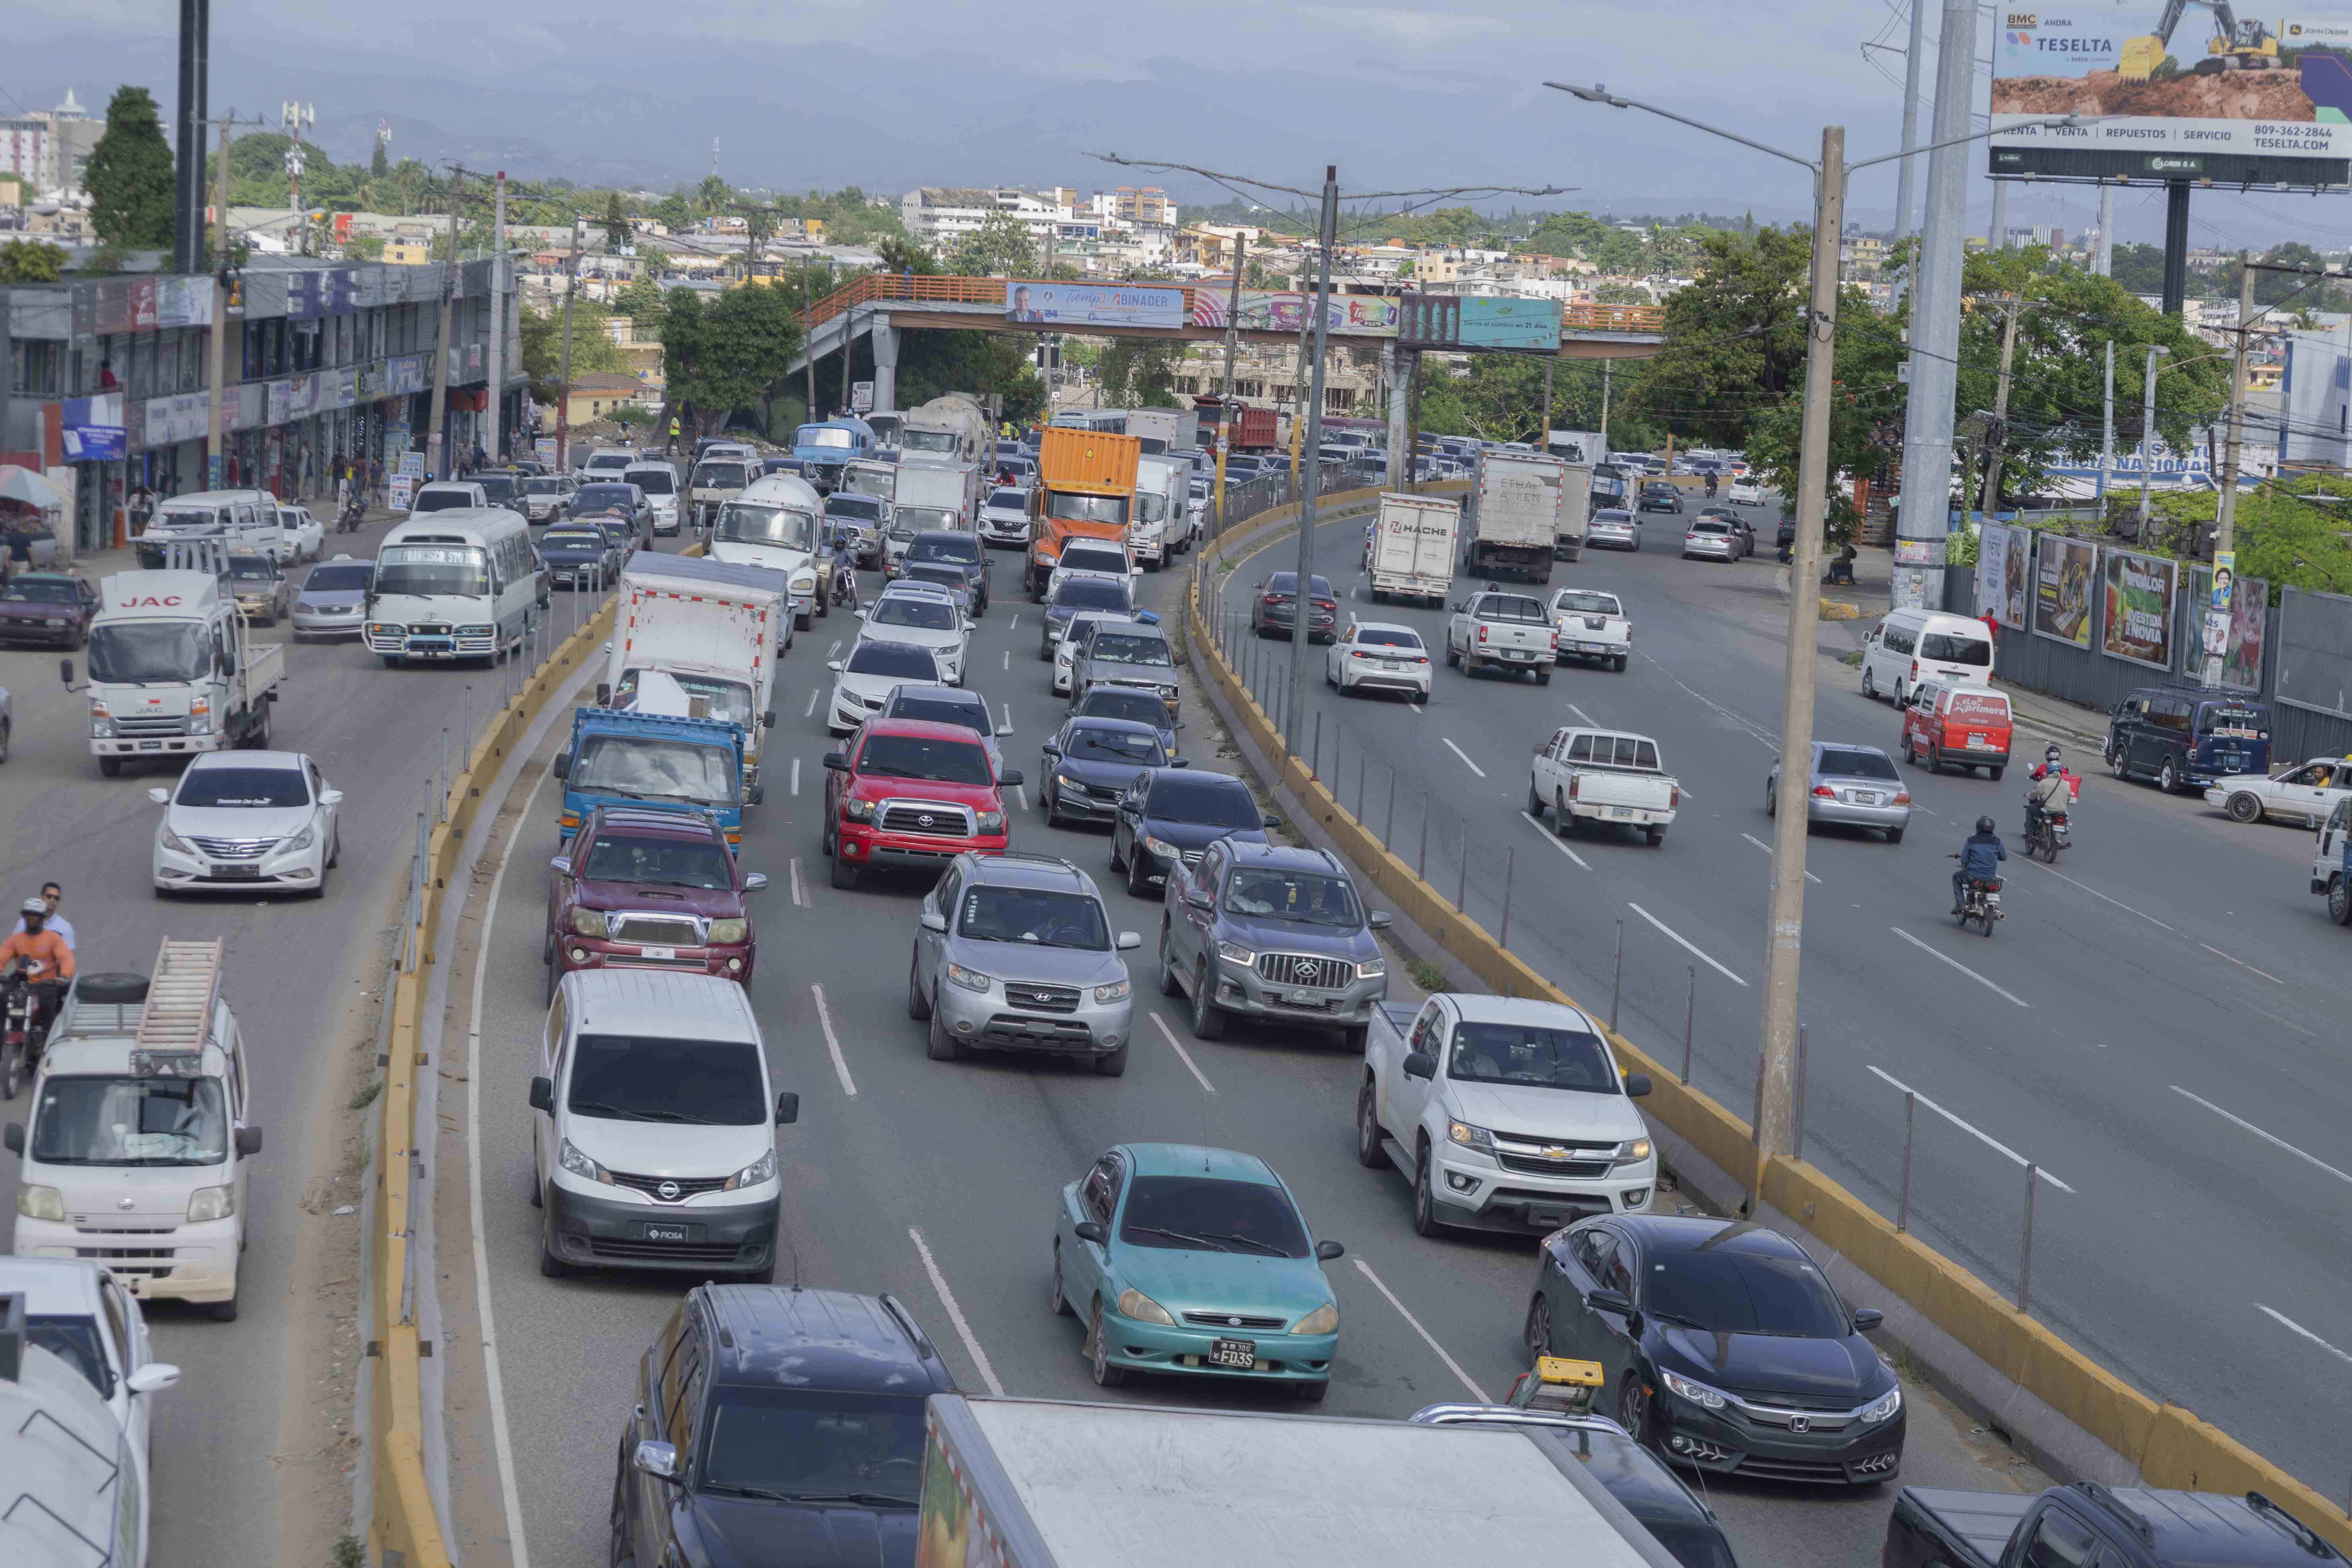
{"x": 1194, "y": 1261}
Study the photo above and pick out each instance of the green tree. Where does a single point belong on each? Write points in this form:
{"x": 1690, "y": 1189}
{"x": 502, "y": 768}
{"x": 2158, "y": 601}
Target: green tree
{"x": 714, "y": 195}
{"x": 641, "y": 300}
{"x": 1139, "y": 373}
{"x": 731, "y": 355}
{"x": 594, "y": 352}
{"x": 617, "y": 231}
{"x": 130, "y": 173}
{"x": 2277, "y": 287}
{"x": 999, "y": 248}
{"x": 674, "y": 212}
{"x": 900, "y": 254}
{"x": 31, "y": 261}
{"x": 379, "y": 162}
{"x": 1735, "y": 338}
{"x": 2286, "y": 534}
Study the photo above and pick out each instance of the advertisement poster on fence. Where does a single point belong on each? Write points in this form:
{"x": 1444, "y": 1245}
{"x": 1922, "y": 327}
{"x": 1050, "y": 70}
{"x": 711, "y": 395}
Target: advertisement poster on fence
{"x": 2004, "y": 573}
{"x": 2135, "y": 607}
{"x": 2242, "y": 652}
{"x": 2063, "y": 570}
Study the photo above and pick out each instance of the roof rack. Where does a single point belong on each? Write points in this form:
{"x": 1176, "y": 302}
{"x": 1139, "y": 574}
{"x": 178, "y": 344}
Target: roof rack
{"x": 181, "y": 993}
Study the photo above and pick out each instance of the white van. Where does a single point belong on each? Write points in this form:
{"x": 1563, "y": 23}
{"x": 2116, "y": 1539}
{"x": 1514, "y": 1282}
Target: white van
{"x": 453, "y": 585}
{"x": 1912, "y": 645}
{"x": 653, "y": 1127}
{"x": 247, "y": 518}
{"x": 659, "y": 481}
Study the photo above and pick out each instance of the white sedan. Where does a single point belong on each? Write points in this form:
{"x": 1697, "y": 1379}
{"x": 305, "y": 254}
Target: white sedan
{"x": 247, "y": 820}
{"x": 929, "y": 620}
{"x": 864, "y": 682}
{"x": 1593, "y": 624}
{"x": 1378, "y": 656}
{"x": 1746, "y": 492}
{"x": 305, "y": 534}
{"x": 2301, "y": 796}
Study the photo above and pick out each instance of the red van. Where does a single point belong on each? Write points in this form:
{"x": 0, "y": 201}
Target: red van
{"x": 1968, "y": 726}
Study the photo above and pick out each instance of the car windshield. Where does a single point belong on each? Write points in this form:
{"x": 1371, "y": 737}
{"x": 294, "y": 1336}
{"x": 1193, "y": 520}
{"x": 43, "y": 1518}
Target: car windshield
{"x": 816, "y": 1444}
{"x": 747, "y": 523}
{"x": 75, "y": 1341}
{"x": 1090, "y": 744}
{"x": 1575, "y": 601}
{"x": 572, "y": 539}
{"x": 252, "y": 567}
{"x": 820, "y": 436}
{"x": 1531, "y": 1056}
{"x": 1086, "y": 508}
{"x": 589, "y": 498}
{"x": 719, "y": 477}
{"x": 924, "y": 757}
{"x": 1111, "y": 563}
{"x": 906, "y": 522}
{"x": 1035, "y": 916}
{"x": 608, "y": 462}
{"x": 40, "y": 591}
{"x": 1110, "y": 703}
{"x": 542, "y": 487}
{"x": 334, "y": 579}
{"x": 1849, "y": 762}
{"x": 1205, "y": 803}
{"x": 1151, "y": 506}
{"x": 1092, "y": 594}
{"x": 1272, "y": 893}
{"x": 663, "y": 862}
{"x": 1975, "y": 652}
{"x": 862, "y": 509}
{"x": 662, "y": 483}
{"x": 2218, "y": 718}
{"x": 1729, "y": 1292}
{"x": 175, "y": 517}
{"x": 496, "y": 486}
{"x": 727, "y": 700}
{"x": 893, "y": 658}
{"x": 971, "y": 715}
{"x": 1210, "y": 1213}
{"x": 638, "y": 1078}
{"x": 1385, "y": 636}
{"x": 242, "y": 786}
{"x": 433, "y": 570}
{"x": 919, "y": 610}
{"x": 127, "y": 1120}
{"x": 949, "y": 547}
{"x": 431, "y": 499}
{"x": 1710, "y": 525}
{"x": 1125, "y": 647}
{"x": 1009, "y": 500}
{"x": 139, "y": 653}
{"x": 641, "y": 768}
{"x": 1287, "y": 583}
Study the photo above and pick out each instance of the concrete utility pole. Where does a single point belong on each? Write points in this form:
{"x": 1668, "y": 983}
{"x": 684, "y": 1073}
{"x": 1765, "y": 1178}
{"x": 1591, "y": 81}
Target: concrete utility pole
{"x": 2103, "y": 260}
{"x": 1999, "y": 236}
{"x": 2108, "y": 429}
{"x": 1924, "y": 525}
{"x": 1543, "y": 437}
{"x": 1912, "y": 54}
{"x": 1232, "y": 347}
{"x": 808, "y": 350}
{"x": 434, "y": 453}
{"x": 188, "y": 194}
{"x": 1604, "y": 411}
{"x": 564, "y": 398}
{"x": 497, "y": 350}
{"x": 215, "y": 351}
{"x": 1302, "y": 602}
{"x": 1997, "y": 439}
{"x": 2148, "y": 433}
{"x": 2225, "y": 512}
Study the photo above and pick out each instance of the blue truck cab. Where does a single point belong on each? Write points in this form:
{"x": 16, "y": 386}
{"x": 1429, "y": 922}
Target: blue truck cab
{"x": 620, "y": 757}
{"x": 827, "y": 445}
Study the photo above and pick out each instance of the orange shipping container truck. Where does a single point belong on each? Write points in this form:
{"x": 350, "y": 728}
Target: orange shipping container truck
{"x": 1085, "y": 489}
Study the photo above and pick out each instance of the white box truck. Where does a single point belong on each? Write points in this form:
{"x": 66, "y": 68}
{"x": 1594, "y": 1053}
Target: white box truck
{"x": 930, "y": 496}
{"x": 174, "y": 670}
{"x": 1518, "y": 510}
{"x": 715, "y": 627}
{"x": 1163, "y": 429}
{"x": 1162, "y": 486}
{"x": 1034, "y": 1483}
{"x": 1410, "y": 554}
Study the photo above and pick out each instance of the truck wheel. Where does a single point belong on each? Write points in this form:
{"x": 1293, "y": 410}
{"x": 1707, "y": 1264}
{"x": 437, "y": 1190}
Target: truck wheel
{"x": 109, "y": 767}
{"x": 1353, "y": 1037}
{"x": 1657, "y": 837}
{"x": 1425, "y": 1202}
{"x": 1543, "y": 678}
{"x": 258, "y": 736}
{"x": 1453, "y": 659}
{"x": 1208, "y": 1018}
{"x": 2339, "y": 900}
{"x": 1534, "y": 804}
{"x": 844, "y": 875}
{"x": 1563, "y": 820}
{"x": 1617, "y": 664}
{"x": 223, "y": 1311}
{"x": 1369, "y": 1152}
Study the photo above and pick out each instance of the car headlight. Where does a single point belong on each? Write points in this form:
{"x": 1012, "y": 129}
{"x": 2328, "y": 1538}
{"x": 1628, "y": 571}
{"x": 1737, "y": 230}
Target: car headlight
{"x": 1061, "y": 784}
{"x": 303, "y": 840}
{"x": 1372, "y": 969}
{"x": 1162, "y": 848}
{"x": 1234, "y": 952}
{"x": 40, "y": 1202}
{"x": 970, "y": 979}
{"x": 580, "y": 1164}
{"x": 762, "y": 1169}
{"x": 1633, "y": 1150}
{"x": 586, "y": 923}
{"x": 1884, "y": 1408}
{"x": 1116, "y": 990}
{"x": 1469, "y": 1137}
{"x": 729, "y": 930}
{"x": 1323, "y": 1320}
{"x": 210, "y": 1202}
{"x": 1698, "y": 1392}
{"x": 476, "y": 631}
{"x": 991, "y": 822}
{"x": 857, "y": 810}
{"x": 200, "y": 716}
{"x": 304, "y": 608}
{"x": 174, "y": 843}
{"x": 805, "y": 583}
{"x": 1133, "y": 1303}
{"x": 102, "y": 722}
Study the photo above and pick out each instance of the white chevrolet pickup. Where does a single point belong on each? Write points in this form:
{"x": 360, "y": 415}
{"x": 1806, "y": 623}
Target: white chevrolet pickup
{"x": 1504, "y": 1113}
{"x": 1499, "y": 630}
{"x": 1602, "y": 776}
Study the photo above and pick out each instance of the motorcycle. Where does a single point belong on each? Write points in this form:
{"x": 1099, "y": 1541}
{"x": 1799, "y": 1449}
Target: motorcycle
{"x": 1980, "y": 900}
{"x": 2045, "y": 831}
{"x": 21, "y": 1038}
{"x": 354, "y": 513}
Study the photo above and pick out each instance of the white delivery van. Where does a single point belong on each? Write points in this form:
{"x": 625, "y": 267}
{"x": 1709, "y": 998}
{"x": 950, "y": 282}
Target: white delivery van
{"x": 659, "y": 481}
{"x": 1912, "y": 645}
{"x": 1411, "y": 551}
{"x": 940, "y": 495}
{"x": 174, "y": 670}
{"x": 140, "y": 1132}
{"x": 772, "y": 522}
{"x": 717, "y": 628}
{"x": 1162, "y": 485}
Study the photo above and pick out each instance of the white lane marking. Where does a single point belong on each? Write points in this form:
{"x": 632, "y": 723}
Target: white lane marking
{"x": 1956, "y": 964}
{"x": 1015, "y": 623}
{"x": 832, "y": 1043}
{"x": 799, "y": 896}
{"x": 1767, "y": 849}
{"x": 1677, "y": 936}
{"x": 1553, "y": 839}
{"x": 2097, "y": 894}
{"x": 2290, "y": 1323}
{"x": 955, "y": 1314}
{"x": 2266, "y": 1137}
{"x": 1169, "y": 1034}
{"x": 1428, "y": 1339}
{"x": 1464, "y": 756}
{"x": 502, "y": 1439}
{"x": 1008, "y": 661}
{"x": 1974, "y": 1132}
{"x": 2242, "y": 963}
{"x": 1021, "y": 793}
{"x": 1589, "y": 722}
{"x": 809, "y": 711}
{"x": 797, "y": 775}
{"x": 1768, "y": 737}
{"x": 835, "y": 651}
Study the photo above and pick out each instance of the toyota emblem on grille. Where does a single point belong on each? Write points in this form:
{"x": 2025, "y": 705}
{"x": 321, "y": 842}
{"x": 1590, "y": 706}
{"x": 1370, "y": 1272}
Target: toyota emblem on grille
{"x": 925, "y": 819}
{"x": 1801, "y": 1423}
{"x": 668, "y": 1192}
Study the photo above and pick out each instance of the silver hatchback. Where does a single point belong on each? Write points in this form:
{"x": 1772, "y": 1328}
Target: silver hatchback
{"x": 1857, "y": 785}
{"x": 1014, "y": 952}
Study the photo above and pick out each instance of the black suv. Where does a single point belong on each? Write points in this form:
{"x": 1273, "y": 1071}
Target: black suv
{"x": 1660, "y": 495}
{"x": 775, "y": 1425}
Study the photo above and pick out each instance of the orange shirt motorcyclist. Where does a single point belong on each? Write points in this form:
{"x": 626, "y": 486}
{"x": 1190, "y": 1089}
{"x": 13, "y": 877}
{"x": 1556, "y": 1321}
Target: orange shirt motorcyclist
{"x": 45, "y": 954}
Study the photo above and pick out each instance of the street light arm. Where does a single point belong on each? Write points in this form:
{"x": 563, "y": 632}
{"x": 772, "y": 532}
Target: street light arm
{"x": 1600, "y": 95}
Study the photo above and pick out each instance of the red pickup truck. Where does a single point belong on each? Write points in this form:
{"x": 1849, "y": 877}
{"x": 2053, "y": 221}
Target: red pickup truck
{"x": 909, "y": 791}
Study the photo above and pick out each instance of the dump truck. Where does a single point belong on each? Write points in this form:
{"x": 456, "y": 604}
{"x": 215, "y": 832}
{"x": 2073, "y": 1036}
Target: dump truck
{"x": 1085, "y": 489}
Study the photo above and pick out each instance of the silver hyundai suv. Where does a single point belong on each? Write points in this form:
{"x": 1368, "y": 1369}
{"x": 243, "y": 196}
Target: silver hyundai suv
{"x": 1014, "y": 952}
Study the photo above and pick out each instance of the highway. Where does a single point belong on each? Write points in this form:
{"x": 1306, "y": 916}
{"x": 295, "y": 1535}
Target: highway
{"x": 2150, "y": 1024}
{"x": 936, "y": 1180}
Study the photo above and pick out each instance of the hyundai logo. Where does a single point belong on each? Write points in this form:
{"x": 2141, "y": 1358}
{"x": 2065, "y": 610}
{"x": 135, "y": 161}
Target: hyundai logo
{"x": 1801, "y": 1423}
{"x": 125, "y": 1203}
{"x": 668, "y": 1192}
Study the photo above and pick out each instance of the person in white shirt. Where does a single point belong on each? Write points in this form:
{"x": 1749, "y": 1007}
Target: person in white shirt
{"x": 52, "y": 895}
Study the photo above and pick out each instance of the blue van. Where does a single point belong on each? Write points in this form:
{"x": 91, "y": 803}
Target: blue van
{"x": 2185, "y": 737}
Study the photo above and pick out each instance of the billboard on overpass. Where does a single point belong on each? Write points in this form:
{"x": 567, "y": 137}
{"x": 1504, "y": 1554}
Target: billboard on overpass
{"x": 1350, "y": 315}
{"x": 1092, "y": 305}
{"x": 2220, "y": 94}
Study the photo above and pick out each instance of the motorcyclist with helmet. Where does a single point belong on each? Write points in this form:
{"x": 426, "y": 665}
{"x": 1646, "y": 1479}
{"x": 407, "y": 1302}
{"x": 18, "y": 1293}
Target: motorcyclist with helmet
{"x": 1980, "y": 856}
{"x": 39, "y": 958}
{"x": 2053, "y": 791}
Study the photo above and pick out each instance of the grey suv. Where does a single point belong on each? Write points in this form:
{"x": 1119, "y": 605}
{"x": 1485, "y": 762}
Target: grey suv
{"x": 1131, "y": 652}
{"x": 1014, "y": 952}
{"x": 1275, "y": 932}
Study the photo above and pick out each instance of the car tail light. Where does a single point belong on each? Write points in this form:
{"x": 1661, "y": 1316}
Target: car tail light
{"x": 1915, "y": 669}
{"x": 1482, "y": 634}
{"x": 1675, "y": 798}
{"x": 1330, "y": 605}
{"x": 1825, "y": 792}
{"x": 1358, "y": 653}
{"x": 1573, "y": 780}
{"x": 1903, "y": 797}
{"x": 1555, "y": 639}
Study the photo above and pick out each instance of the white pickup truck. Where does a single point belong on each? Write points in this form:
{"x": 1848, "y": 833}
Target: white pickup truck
{"x": 1602, "y": 776}
{"x": 1505, "y": 1114}
{"x": 1500, "y": 630}
{"x": 1593, "y": 624}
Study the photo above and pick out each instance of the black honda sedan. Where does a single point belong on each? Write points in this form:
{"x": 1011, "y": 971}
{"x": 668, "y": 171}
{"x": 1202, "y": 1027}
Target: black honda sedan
{"x": 1723, "y": 1345}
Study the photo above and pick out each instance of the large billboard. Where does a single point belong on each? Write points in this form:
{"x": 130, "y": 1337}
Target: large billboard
{"x": 2063, "y": 573}
{"x": 1092, "y": 305}
{"x": 2004, "y": 573}
{"x": 2218, "y": 94}
{"x": 2135, "y": 607}
{"x": 2240, "y": 647}
{"x": 1350, "y": 315}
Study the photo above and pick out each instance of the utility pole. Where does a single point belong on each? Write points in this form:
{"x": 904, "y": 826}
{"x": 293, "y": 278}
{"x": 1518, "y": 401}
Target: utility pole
{"x": 188, "y": 192}
{"x": 1999, "y": 235}
{"x": 1996, "y": 438}
{"x": 1232, "y": 346}
{"x": 293, "y": 117}
{"x": 217, "y": 349}
{"x": 2107, "y": 430}
{"x": 2147, "y": 433}
{"x": 1543, "y": 437}
{"x": 564, "y": 398}
{"x": 1302, "y": 602}
{"x": 2225, "y": 512}
{"x": 1912, "y": 55}
{"x": 2103, "y": 260}
{"x": 435, "y": 445}
{"x": 1604, "y": 410}
{"x": 808, "y": 351}
{"x": 1785, "y": 924}
{"x": 498, "y": 349}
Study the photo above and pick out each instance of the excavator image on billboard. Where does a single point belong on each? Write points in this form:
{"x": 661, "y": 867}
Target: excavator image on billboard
{"x": 2248, "y": 45}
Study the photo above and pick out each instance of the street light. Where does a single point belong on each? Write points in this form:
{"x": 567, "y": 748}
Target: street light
{"x": 1784, "y": 922}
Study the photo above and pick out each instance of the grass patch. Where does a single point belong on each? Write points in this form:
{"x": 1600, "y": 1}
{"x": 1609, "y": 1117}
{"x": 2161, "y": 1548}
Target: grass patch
{"x": 347, "y": 1553}
{"x": 365, "y": 1098}
{"x": 1426, "y": 976}
{"x": 1852, "y": 660}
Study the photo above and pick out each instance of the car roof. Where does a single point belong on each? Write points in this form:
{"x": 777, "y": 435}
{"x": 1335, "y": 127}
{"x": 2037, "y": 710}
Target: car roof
{"x": 1197, "y": 1159}
{"x": 1479, "y": 1008}
{"x": 1386, "y": 626}
{"x": 1285, "y": 857}
{"x": 769, "y": 1335}
{"x": 1696, "y": 1233}
{"x": 290, "y": 760}
{"x": 657, "y": 1003}
{"x": 679, "y": 824}
{"x": 43, "y": 577}
{"x": 52, "y": 1286}
{"x": 914, "y": 585}
{"x": 1109, "y": 726}
{"x": 921, "y": 729}
{"x": 1014, "y": 868}
{"x": 959, "y": 696}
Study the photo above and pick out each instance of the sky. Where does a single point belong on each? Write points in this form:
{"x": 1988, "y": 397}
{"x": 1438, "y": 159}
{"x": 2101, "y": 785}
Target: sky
{"x": 888, "y": 94}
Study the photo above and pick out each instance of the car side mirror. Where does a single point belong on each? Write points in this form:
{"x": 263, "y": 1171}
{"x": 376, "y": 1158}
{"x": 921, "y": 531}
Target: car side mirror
{"x": 1179, "y": 762}
{"x": 1052, "y": 750}
{"x": 834, "y": 664}
{"x": 1272, "y": 820}
{"x": 249, "y": 1141}
{"x": 542, "y": 1094}
{"x": 1004, "y": 728}
{"x": 1603, "y": 1299}
{"x": 1010, "y": 780}
{"x": 788, "y": 1109}
{"x": 154, "y": 1378}
{"x": 1381, "y": 920}
{"x": 932, "y": 920}
{"x": 1326, "y": 1250}
{"x": 836, "y": 762}
{"x": 1866, "y": 1319}
{"x": 1130, "y": 940}
{"x": 1637, "y": 1084}
{"x": 330, "y": 797}
{"x": 12, "y": 1135}
{"x": 768, "y": 720}
{"x": 859, "y": 613}
{"x": 1090, "y": 1230}
{"x": 755, "y": 794}
{"x": 754, "y": 881}
{"x": 160, "y": 795}
{"x": 559, "y": 865}
{"x": 1420, "y": 1064}
{"x": 65, "y": 670}
{"x": 562, "y": 767}
{"x": 604, "y": 694}
{"x": 659, "y": 1460}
